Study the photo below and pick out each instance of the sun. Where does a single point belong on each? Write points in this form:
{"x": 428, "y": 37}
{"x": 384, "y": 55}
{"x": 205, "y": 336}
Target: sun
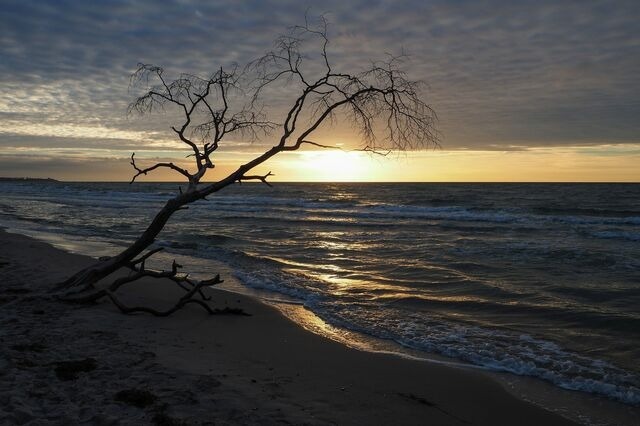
{"x": 334, "y": 166}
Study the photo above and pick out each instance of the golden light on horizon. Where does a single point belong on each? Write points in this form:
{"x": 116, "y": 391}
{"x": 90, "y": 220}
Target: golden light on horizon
{"x": 335, "y": 166}
{"x": 557, "y": 164}
{"x": 612, "y": 163}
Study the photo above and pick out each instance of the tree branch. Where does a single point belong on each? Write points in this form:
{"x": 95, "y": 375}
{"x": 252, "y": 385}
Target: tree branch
{"x": 156, "y": 166}
{"x": 179, "y": 305}
{"x": 256, "y": 177}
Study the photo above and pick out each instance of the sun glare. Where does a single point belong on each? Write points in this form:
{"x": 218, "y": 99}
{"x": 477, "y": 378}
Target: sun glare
{"x": 335, "y": 166}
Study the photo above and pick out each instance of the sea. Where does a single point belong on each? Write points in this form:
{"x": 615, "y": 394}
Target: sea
{"x": 537, "y": 280}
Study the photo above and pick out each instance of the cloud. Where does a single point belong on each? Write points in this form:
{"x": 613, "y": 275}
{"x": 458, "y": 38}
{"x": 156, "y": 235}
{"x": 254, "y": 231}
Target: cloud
{"x": 500, "y": 73}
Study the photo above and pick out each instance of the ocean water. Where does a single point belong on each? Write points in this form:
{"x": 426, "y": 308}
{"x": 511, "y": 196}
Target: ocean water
{"x": 540, "y": 280}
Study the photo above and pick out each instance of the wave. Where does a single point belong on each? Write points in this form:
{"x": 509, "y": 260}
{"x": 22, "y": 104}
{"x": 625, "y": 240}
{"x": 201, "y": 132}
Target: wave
{"x": 268, "y": 206}
{"x": 594, "y": 212}
{"x": 428, "y": 329}
{"x": 599, "y": 319}
{"x": 618, "y": 235}
{"x": 497, "y": 350}
{"x": 398, "y": 214}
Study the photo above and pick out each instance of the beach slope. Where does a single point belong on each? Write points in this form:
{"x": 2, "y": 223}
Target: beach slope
{"x": 65, "y": 364}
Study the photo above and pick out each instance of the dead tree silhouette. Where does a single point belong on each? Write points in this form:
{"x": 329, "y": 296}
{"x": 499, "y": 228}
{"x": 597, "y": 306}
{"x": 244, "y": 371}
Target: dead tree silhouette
{"x": 381, "y": 103}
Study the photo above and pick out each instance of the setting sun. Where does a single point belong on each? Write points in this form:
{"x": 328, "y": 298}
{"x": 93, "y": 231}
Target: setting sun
{"x": 335, "y": 166}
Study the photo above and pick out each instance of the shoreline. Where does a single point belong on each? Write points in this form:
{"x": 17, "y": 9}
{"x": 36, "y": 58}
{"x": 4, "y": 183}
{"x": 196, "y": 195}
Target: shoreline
{"x": 262, "y": 369}
{"x": 577, "y": 406}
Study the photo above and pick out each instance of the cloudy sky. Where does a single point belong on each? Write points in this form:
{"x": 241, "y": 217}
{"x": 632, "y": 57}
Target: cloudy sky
{"x": 523, "y": 90}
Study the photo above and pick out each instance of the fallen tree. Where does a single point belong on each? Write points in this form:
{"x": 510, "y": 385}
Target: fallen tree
{"x": 381, "y": 103}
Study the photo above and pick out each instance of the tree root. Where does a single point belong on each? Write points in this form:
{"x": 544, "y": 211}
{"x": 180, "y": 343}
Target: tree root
{"x": 193, "y": 288}
{"x": 212, "y": 311}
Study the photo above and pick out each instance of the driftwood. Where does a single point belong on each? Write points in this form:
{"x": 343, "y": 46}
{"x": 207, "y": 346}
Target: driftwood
{"x": 192, "y": 288}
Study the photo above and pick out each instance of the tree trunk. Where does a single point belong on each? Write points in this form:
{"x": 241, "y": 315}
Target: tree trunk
{"x": 86, "y": 278}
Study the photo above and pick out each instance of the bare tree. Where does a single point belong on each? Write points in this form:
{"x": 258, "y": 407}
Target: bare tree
{"x": 381, "y": 103}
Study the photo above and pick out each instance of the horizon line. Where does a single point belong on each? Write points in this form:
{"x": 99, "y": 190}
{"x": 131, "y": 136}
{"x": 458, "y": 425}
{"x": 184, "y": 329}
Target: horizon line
{"x": 4, "y": 178}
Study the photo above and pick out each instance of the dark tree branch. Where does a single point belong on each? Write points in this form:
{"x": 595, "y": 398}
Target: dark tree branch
{"x": 319, "y": 145}
{"x": 139, "y": 271}
{"x": 156, "y": 166}
{"x": 373, "y": 151}
{"x": 146, "y": 256}
{"x": 257, "y": 177}
{"x": 196, "y": 288}
{"x": 179, "y": 305}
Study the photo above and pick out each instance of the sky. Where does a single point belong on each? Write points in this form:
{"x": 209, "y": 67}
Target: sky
{"x": 524, "y": 91}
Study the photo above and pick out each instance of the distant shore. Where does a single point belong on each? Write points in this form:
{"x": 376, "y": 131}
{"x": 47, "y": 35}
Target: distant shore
{"x": 26, "y": 179}
{"x": 261, "y": 369}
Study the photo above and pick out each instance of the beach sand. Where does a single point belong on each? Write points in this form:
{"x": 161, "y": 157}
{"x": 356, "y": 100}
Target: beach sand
{"x": 193, "y": 368}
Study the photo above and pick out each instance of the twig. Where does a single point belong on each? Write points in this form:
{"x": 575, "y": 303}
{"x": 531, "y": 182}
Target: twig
{"x": 256, "y": 177}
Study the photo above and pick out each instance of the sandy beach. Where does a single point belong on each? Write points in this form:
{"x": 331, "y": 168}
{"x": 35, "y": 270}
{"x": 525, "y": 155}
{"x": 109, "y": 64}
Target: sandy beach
{"x": 65, "y": 364}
